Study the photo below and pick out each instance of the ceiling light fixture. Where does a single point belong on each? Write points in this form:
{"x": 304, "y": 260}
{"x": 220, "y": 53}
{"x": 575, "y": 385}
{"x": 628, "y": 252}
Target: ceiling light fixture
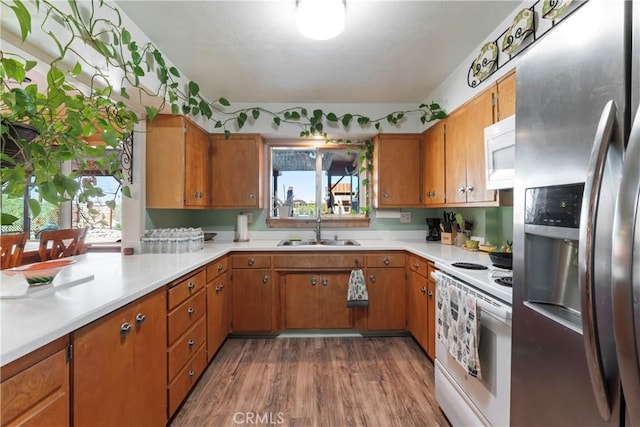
{"x": 320, "y": 19}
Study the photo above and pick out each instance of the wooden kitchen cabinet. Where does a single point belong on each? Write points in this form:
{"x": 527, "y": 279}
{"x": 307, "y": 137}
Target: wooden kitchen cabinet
{"x": 421, "y": 303}
{"x": 35, "y": 388}
{"x": 237, "y": 166}
{"x": 433, "y": 164}
{"x": 506, "y": 94}
{"x": 385, "y": 277}
{"x": 186, "y": 336}
{"x": 317, "y": 301}
{"x": 465, "y": 164}
{"x": 177, "y": 164}
{"x": 120, "y": 366}
{"x": 219, "y": 294}
{"x": 396, "y": 171}
{"x": 254, "y": 293}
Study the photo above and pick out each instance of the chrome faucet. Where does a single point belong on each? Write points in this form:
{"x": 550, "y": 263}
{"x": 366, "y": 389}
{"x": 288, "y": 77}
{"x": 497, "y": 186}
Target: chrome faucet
{"x": 318, "y": 231}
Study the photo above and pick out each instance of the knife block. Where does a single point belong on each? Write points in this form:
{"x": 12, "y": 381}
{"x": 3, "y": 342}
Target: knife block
{"x": 448, "y": 238}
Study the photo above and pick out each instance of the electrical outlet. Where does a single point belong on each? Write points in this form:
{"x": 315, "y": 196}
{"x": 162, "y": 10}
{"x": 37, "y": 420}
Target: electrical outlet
{"x": 405, "y": 217}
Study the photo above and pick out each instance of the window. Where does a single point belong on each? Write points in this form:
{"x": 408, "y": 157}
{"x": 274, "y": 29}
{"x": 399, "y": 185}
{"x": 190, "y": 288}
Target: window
{"x": 310, "y": 180}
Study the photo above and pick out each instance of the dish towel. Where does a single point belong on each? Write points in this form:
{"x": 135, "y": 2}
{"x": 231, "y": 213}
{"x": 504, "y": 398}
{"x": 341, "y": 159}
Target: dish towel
{"x": 457, "y": 324}
{"x": 357, "y": 295}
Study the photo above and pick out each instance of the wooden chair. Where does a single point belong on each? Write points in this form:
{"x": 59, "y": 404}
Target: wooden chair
{"x": 11, "y": 249}
{"x": 55, "y": 244}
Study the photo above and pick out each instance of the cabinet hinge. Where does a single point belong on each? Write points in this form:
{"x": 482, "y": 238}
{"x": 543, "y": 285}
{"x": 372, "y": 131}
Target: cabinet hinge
{"x": 184, "y": 129}
{"x": 69, "y": 352}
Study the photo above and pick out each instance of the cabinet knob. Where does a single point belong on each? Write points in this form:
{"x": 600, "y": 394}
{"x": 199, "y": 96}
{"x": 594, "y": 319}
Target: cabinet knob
{"x": 372, "y": 278}
{"x": 265, "y": 279}
{"x": 125, "y": 329}
{"x": 430, "y": 293}
{"x": 325, "y": 281}
{"x": 192, "y": 373}
{"x": 356, "y": 261}
{"x": 140, "y": 318}
{"x": 469, "y": 188}
{"x": 461, "y": 190}
{"x": 191, "y": 343}
{"x": 433, "y": 194}
{"x": 221, "y": 285}
{"x": 190, "y": 310}
{"x": 251, "y": 196}
{"x": 423, "y": 289}
{"x": 251, "y": 261}
{"x": 220, "y": 267}
{"x": 218, "y": 288}
{"x": 385, "y": 261}
{"x": 416, "y": 265}
{"x": 385, "y": 195}
{"x": 191, "y": 286}
{"x": 314, "y": 281}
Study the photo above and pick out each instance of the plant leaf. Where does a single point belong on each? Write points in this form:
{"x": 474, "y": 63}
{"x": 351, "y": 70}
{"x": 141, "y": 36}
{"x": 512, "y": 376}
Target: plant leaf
{"x": 223, "y": 101}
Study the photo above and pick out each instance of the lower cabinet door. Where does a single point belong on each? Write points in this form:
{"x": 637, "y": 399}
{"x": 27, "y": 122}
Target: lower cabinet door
{"x": 252, "y": 300}
{"x": 417, "y": 308}
{"x": 387, "y": 299}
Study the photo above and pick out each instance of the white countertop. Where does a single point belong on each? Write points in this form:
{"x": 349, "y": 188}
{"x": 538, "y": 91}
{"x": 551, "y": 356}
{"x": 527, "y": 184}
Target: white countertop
{"x": 29, "y": 323}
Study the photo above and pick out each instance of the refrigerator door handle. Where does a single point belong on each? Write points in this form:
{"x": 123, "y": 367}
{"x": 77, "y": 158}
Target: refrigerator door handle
{"x": 626, "y": 286}
{"x": 590, "y": 202}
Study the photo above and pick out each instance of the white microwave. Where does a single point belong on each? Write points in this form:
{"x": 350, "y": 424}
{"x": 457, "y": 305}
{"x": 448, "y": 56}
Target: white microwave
{"x": 499, "y": 153}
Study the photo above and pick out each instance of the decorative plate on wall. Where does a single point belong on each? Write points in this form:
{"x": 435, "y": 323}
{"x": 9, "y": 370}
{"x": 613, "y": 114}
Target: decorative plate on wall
{"x": 485, "y": 62}
{"x": 520, "y": 29}
{"x": 552, "y": 9}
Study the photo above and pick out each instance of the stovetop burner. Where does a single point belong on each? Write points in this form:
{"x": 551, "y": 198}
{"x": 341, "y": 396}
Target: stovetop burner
{"x": 469, "y": 266}
{"x": 504, "y": 281}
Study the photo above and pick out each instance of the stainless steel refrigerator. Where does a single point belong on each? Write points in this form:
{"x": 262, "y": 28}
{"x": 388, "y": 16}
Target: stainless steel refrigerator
{"x": 576, "y": 264}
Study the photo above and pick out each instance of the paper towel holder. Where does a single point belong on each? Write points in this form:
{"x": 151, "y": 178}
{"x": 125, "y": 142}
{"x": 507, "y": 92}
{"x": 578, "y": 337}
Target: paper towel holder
{"x": 242, "y": 232}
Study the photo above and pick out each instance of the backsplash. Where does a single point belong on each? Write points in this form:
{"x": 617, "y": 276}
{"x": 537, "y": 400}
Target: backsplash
{"x": 494, "y": 224}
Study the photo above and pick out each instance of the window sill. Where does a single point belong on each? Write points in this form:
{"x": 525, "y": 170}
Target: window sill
{"x": 330, "y": 222}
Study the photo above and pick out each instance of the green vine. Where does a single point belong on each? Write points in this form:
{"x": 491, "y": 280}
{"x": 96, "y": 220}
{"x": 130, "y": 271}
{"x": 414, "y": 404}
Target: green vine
{"x": 65, "y": 115}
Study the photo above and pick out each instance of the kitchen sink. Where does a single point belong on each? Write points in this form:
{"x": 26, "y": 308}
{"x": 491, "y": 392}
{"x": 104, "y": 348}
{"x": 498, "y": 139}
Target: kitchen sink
{"x": 326, "y": 242}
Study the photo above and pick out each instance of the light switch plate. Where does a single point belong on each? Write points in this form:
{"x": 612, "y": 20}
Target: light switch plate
{"x": 405, "y": 217}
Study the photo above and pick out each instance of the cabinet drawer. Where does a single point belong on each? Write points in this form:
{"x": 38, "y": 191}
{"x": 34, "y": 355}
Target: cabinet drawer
{"x": 185, "y": 289}
{"x": 185, "y": 316}
{"x": 385, "y": 260}
{"x": 186, "y": 347}
{"x": 251, "y": 261}
{"x": 417, "y": 264}
{"x": 186, "y": 378}
{"x": 341, "y": 261}
{"x": 216, "y": 268}
{"x": 38, "y": 389}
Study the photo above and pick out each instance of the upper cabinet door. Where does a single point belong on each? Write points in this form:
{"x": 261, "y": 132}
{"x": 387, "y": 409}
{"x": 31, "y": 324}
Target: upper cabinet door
{"x": 433, "y": 169}
{"x": 236, "y": 170}
{"x": 506, "y": 88}
{"x": 396, "y": 170}
{"x": 197, "y": 190}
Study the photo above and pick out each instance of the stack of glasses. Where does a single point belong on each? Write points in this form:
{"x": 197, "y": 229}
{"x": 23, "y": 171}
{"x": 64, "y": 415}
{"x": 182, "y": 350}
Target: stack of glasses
{"x": 172, "y": 240}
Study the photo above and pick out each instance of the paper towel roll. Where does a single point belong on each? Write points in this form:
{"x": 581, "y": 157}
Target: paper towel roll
{"x": 243, "y": 231}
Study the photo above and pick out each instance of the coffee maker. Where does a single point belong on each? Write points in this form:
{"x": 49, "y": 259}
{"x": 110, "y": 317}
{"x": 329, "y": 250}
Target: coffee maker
{"x": 433, "y": 232}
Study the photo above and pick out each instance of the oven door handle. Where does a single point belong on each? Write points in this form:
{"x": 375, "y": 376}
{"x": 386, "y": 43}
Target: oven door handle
{"x": 502, "y": 314}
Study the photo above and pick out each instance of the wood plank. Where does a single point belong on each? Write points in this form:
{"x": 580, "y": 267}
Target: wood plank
{"x": 316, "y": 382}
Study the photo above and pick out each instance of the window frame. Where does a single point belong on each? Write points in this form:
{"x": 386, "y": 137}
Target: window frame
{"x": 347, "y": 220}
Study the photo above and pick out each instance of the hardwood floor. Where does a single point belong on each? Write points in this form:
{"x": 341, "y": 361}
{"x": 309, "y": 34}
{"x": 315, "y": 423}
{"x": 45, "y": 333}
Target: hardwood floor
{"x": 315, "y": 382}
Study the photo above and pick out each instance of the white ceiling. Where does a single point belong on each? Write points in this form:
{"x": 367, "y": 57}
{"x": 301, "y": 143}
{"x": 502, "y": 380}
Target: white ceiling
{"x": 250, "y": 51}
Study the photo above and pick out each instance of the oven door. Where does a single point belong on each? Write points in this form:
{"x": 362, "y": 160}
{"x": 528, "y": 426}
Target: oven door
{"x": 468, "y": 400}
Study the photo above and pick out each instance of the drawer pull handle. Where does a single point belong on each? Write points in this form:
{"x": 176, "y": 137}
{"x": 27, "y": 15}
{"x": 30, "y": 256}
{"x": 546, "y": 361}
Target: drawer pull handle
{"x": 192, "y": 373}
{"x": 191, "y": 343}
{"x": 416, "y": 265}
{"x": 423, "y": 289}
{"x": 265, "y": 279}
{"x": 385, "y": 261}
{"x": 140, "y": 318}
{"x": 191, "y": 286}
{"x": 220, "y": 267}
{"x": 325, "y": 281}
{"x": 251, "y": 262}
{"x": 125, "y": 329}
{"x": 372, "y": 278}
{"x": 314, "y": 281}
{"x": 191, "y": 311}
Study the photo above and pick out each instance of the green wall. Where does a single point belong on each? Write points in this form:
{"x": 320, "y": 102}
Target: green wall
{"x": 494, "y": 224}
